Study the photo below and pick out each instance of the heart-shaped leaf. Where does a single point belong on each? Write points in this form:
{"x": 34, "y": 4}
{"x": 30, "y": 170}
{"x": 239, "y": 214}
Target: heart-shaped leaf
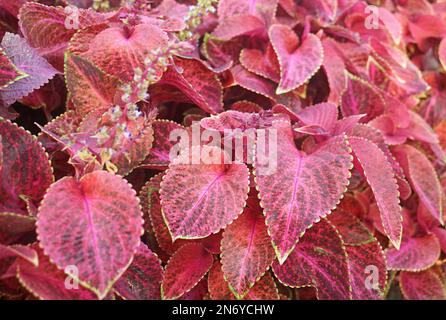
{"x": 299, "y": 60}
{"x": 184, "y": 270}
{"x": 201, "y": 197}
{"x": 319, "y": 260}
{"x": 246, "y": 252}
{"x": 303, "y": 189}
{"x": 100, "y": 209}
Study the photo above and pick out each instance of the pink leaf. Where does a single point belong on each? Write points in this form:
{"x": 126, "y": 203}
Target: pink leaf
{"x": 362, "y": 97}
{"x": 424, "y": 285}
{"x": 184, "y": 270}
{"x": 335, "y": 69}
{"x": 200, "y": 199}
{"x": 246, "y": 252}
{"x": 442, "y": 53}
{"x": 299, "y": 61}
{"x": 47, "y": 282}
{"x": 303, "y": 189}
{"x": 422, "y": 177}
{"x": 262, "y": 64}
{"x": 320, "y": 261}
{"x": 25, "y": 170}
{"x": 384, "y": 186}
{"x": 321, "y": 117}
{"x": 238, "y": 25}
{"x": 27, "y": 60}
{"x": 100, "y": 209}
{"x": 142, "y": 280}
{"x": 415, "y": 254}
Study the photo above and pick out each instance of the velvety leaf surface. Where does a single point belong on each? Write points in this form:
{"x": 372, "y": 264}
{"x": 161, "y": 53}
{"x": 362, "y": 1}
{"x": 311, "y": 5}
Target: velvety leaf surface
{"x": 184, "y": 270}
{"x": 14, "y": 227}
{"x": 361, "y": 98}
{"x": 47, "y": 282}
{"x": 262, "y": 64}
{"x": 335, "y": 69}
{"x": 8, "y": 71}
{"x": 264, "y": 289}
{"x": 299, "y": 61}
{"x": 142, "y": 280}
{"x": 199, "y": 199}
{"x": 45, "y": 28}
{"x": 162, "y": 144}
{"x": 422, "y": 177}
{"x": 115, "y": 51}
{"x": 424, "y": 285}
{"x": 198, "y": 83}
{"x": 105, "y": 222}
{"x": 384, "y": 186}
{"x": 364, "y": 253}
{"x": 318, "y": 260}
{"x": 27, "y": 60}
{"x": 319, "y": 180}
{"x": 318, "y": 119}
{"x": 246, "y": 251}
{"x": 415, "y": 254}
{"x": 90, "y": 88}
{"x": 25, "y": 169}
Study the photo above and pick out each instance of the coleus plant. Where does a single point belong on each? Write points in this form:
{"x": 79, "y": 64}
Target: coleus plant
{"x": 98, "y": 201}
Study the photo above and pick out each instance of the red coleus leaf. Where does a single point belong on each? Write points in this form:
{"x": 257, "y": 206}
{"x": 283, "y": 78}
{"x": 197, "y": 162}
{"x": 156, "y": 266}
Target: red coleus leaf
{"x": 299, "y": 59}
{"x": 47, "y": 282}
{"x": 198, "y": 83}
{"x": 246, "y": 251}
{"x": 25, "y": 169}
{"x": 334, "y": 67}
{"x": 91, "y": 89}
{"x": 27, "y": 60}
{"x": 117, "y": 50}
{"x": 217, "y": 197}
{"x": 424, "y": 285}
{"x": 303, "y": 189}
{"x": 318, "y": 119}
{"x": 159, "y": 156}
{"x": 321, "y": 248}
{"x": 365, "y": 257}
{"x": 8, "y": 71}
{"x": 100, "y": 208}
{"x": 184, "y": 270}
{"x": 415, "y": 254}
{"x": 49, "y": 29}
{"x": 262, "y": 64}
{"x": 362, "y": 98}
{"x": 383, "y": 184}
{"x": 16, "y": 227}
{"x": 142, "y": 280}
{"x": 422, "y": 177}
{"x": 264, "y": 289}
